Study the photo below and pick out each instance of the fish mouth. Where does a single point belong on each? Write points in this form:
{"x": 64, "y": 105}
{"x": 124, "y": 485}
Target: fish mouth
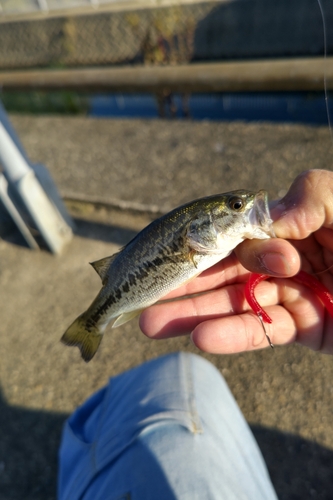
{"x": 260, "y": 216}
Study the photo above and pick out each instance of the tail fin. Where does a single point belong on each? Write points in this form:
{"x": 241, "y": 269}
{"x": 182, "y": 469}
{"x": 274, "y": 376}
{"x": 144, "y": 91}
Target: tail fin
{"x": 87, "y": 340}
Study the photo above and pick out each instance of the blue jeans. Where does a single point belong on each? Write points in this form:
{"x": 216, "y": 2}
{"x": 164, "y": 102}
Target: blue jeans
{"x": 168, "y": 429}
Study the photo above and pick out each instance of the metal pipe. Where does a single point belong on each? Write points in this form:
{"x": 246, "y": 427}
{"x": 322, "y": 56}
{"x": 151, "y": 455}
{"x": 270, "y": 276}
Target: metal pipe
{"x": 240, "y": 76}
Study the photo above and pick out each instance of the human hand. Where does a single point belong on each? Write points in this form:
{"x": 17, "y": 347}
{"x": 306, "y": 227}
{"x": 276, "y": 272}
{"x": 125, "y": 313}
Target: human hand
{"x": 222, "y": 322}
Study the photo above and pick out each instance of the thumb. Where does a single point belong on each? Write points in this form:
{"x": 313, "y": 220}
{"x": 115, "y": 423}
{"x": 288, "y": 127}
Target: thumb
{"x": 306, "y": 207}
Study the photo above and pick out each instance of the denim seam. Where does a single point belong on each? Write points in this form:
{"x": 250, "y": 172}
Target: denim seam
{"x": 190, "y": 394}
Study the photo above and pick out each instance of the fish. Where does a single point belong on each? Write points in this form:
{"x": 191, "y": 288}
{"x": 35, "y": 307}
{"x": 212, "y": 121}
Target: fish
{"x": 169, "y": 252}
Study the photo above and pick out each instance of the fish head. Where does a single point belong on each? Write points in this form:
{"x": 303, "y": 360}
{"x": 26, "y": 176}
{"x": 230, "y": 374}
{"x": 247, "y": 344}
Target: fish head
{"x": 228, "y": 219}
{"x": 243, "y": 213}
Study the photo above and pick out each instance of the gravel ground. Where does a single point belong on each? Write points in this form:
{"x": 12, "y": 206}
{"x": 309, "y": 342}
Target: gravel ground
{"x": 164, "y": 163}
{"x": 285, "y": 394}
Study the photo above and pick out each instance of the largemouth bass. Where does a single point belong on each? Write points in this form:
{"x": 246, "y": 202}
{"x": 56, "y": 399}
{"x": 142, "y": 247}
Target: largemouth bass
{"x": 168, "y": 253}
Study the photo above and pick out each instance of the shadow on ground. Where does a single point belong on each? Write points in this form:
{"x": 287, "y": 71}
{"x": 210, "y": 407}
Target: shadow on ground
{"x": 103, "y": 232}
{"x": 299, "y": 469}
{"x": 83, "y": 228}
{"x": 29, "y": 442}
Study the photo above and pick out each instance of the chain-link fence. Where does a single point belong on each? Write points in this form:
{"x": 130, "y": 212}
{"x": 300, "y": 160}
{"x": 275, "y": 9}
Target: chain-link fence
{"x": 210, "y": 30}
{"x": 163, "y": 35}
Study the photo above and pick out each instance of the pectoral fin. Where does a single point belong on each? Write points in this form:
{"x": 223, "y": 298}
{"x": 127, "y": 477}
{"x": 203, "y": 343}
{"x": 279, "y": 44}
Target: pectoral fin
{"x": 124, "y": 318}
{"x": 191, "y": 257}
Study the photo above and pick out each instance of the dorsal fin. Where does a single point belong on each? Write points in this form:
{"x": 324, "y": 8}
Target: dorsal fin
{"x": 101, "y": 266}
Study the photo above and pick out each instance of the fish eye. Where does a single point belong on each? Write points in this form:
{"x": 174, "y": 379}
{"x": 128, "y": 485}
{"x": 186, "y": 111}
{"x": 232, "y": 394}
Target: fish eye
{"x": 236, "y": 203}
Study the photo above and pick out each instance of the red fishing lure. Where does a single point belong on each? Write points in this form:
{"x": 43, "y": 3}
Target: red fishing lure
{"x": 301, "y": 277}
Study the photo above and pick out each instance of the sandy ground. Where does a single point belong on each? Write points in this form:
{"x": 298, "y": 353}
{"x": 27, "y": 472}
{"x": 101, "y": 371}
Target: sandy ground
{"x": 285, "y": 394}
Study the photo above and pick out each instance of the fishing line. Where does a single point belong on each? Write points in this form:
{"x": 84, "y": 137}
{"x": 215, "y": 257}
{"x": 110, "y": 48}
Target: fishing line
{"x": 325, "y": 66}
{"x": 325, "y": 89}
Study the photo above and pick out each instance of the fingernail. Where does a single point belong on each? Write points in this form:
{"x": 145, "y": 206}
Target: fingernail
{"x": 275, "y": 263}
{"x": 191, "y": 339}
